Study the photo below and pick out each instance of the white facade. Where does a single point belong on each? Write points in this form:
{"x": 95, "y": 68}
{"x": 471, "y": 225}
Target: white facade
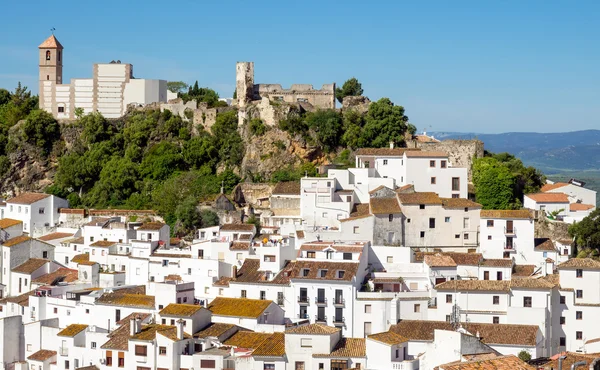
{"x": 38, "y": 212}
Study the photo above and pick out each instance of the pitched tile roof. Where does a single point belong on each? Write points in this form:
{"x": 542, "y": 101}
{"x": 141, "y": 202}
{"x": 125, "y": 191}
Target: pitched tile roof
{"x": 360, "y": 209}
{"x": 287, "y": 188}
{"x": 21, "y": 300}
{"x": 16, "y": 240}
{"x": 151, "y": 226}
{"x": 388, "y": 337}
{"x": 408, "y": 188}
{"x": 464, "y": 259}
{"x": 381, "y": 206}
{"x": 273, "y": 346}
{"x": 61, "y": 275}
{"x": 30, "y": 266}
{"x": 127, "y": 300}
{"x": 246, "y": 339}
{"x": 72, "y": 330}
{"x": 119, "y": 339}
{"x": 91, "y": 367}
{"x": 510, "y": 362}
{"x": 532, "y": 283}
{"x": 103, "y": 244}
{"x": 580, "y": 207}
{"x": 50, "y": 42}
{"x": 54, "y": 236}
{"x": 549, "y": 197}
{"x": 238, "y": 307}
{"x": 544, "y": 244}
{"x": 550, "y": 187}
{"x": 27, "y": 198}
{"x": 459, "y": 203}
{"x": 522, "y": 270}
{"x": 346, "y": 348}
{"x": 439, "y": 260}
{"x": 420, "y": 198}
{"x": 8, "y": 222}
{"x": 150, "y": 331}
{"x": 580, "y": 263}
{"x": 500, "y": 262}
{"x": 506, "y": 213}
{"x": 427, "y": 154}
{"x": 142, "y": 316}
{"x": 383, "y": 152}
{"x": 571, "y": 358}
{"x": 312, "y": 329}
{"x": 524, "y": 335}
{"x": 474, "y": 285}
{"x": 79, "y": 258}
{"x": 237, "y": 227}
{"x": 42, "y": 355}
{"x": 79, "y": 240}
{"x": 214, "y": 330}
{"x": 332, "y": 268}
{"x": 180, "y": 310}
{"x": 240, "y": 246}
{"x": 173, "y": 277}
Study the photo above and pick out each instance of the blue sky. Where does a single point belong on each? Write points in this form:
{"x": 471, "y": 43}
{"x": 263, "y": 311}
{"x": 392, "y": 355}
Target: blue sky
{"x": 468, "y": 66}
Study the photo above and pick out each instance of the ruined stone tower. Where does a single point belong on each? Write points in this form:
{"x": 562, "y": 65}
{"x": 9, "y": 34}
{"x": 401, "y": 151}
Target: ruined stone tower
{"x": 244, "y": 82}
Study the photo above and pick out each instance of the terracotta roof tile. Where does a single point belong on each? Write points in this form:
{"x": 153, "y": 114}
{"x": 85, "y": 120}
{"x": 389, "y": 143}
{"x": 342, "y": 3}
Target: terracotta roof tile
{"x": 312, "y": 329}
{"x": 50, "y": 42}
{"x": 459, "y": 203}
{"x": 332, "y": 268}
{"x": 510, "y": 362}
{"x": 420, "y": 198}
{"x": 300, "y": 234}
{"x": 173, "y": 277}
{"x": 223, "y": 281}
{"x": 550, "y": 187}
{"x": 180, "y": 310}
{"x": 500, "y": 262}
{"x": 247, "y": 339}
{"x": 127, "y": 300}
{"x": 549, "y": 197}
{"x": 439, "y": 260}
{"x": 573, "y": 207}
{"x": 408, "y": 188}
{"x": 149, "y": 332}
{"x": 42, "y": 355}
{"x": 532, "y": 283}
{"x": 119, "y": 339}
{"x": 377, "y": 189}
{"x": 273, "y": 346}
{"x": 522, "y": 270}
{"x": 571, "y": 358}
{"x": 474, "y": 285}
{"x": 103, "y": 244}
{"x": 346, "y": 348}
{"x": 151, "y": 226}
{"x": 544, "y": 244}
{"x": 509, "y": 334}
{"x": 54, "y": 236}
{"x": 381, "y": 206}
{"x": 16, "y": 240}
{"x": 8, "y": 222}
{"x": 427, "y": 154}
{"x": 30, "y": 266}
{"x": 238, "y": 227}
{"x": 28, "y": 198}
{"x": 239, "y": 246}
{"x": 464, "y": 259}
{"x": 21, "y": 300}
{"x": 72, "y": 330}
{"x": 388, "y": 337}
{"x": 360, "y": 209}
{"x": 214, "y": 330}
{"x": 125, "y": 321}
{"x": 287, "y": 188}
{"x": 238, "y": 307}
{"x": 383, "y": 152}
{"x": 425, "y": 139}
{"x": 79, "y": 240}
{"x": 63, "y": 274}
{"x": 506, "y": 213}
{"x": 580, "y": 263}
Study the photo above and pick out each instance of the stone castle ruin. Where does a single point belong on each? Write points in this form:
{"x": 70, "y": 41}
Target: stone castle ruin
{"x": 271, "y": 102}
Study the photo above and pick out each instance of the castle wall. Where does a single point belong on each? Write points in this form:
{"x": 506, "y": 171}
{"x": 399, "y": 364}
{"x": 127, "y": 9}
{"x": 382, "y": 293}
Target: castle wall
{"x": 460, "y": 152}
{"x": 298, "y": 93}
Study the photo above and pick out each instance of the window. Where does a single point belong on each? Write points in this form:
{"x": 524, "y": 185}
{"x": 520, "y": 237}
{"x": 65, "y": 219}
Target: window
{"x": 408, "y": 220}
{"x": 356, "y": 229}
{"x": 455, "y": 184}
{"x": 269, "y": 258}
{"x": 305, "y": 272}
{"x": 324, "y": 214}
{"x": 391, "y": 217}
{"x": 367, "y": 328}
{"x": 310, "y": 255}
{"x": 496, "y": 299}
{"x": 421, "y": 206}
{"x": 447, "y": 219}
{"x": 466, "y": 236}
{"x": 526, "y": 301}
{"x": 579, "y": 293}
{"x": 269, "y": 367}
{"x": 466, "y": 223}
{"x": 486, "y": 275}
{"x": 243, "y": 294}
{"x": 498, "y": 275}
{"x": 322, "y": 273}
{"x": 306, "y": 342}
{"x": 432, "y": 223}
{"x": 456, "y": 236}
{"x": 490, "y": 223}
{"x": 448, "y": 298}
{"x": 121, "y": 359}
{"x": 562, "y": 299}
{"x": 341, "y": 274}
{"x": 490, "y": 238}
{"x": 67, "y": 364}
{"x": 93, "y": 344}
{"x": 390, "y": 259}
{"x": 55, "y": 309}
{"x": 339, "y": 364}
{"x": 417, "y": 308}
{"x": 47, "y": 54}
{"x": 367, "y": 308}
{"x": 563, "y": 341}
{"x": 495, "y": 320}
{"x": 579, "y": 335}
{"x": 162, "y": 351}
{"x": 431, "y": 163}
{"x": 579, "y": 273}
{"x": 578, "y": 315}
{"x": 207, "y": 364}
{"x": 422, "y": 234}
{"x": 562, "y": 320}
{"x": 448, "y": 317}
{"x": 347, "y": 256}
{"x": 433, "y": 181}
{"x": 263, "y": 295}
{"x": 443, "y": 164}
{"x": 117, "y": 315}
{"x": 29, "y": 348}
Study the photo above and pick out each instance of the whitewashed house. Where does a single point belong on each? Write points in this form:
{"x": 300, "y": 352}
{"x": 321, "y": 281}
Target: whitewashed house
{"x": 38, "y": 212}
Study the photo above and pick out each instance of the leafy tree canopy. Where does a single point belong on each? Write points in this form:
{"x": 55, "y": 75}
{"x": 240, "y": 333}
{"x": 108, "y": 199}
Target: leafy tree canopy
{"x": 350, "y": 88}
{"x": 385, "y": 123}
{"x": 493, "y": 184}
{"x": 177, "y": 86}
{"x": 587, "y": 231}
{"x": 327, "y": 124}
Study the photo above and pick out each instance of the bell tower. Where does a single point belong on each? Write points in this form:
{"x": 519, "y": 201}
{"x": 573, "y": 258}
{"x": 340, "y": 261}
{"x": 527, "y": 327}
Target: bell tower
{"x": 51, "y": 68}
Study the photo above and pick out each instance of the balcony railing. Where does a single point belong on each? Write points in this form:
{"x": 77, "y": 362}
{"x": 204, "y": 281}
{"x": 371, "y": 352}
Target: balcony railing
{"x": 510, "y": 231}
{"x": 63, "y": 351}
{"x": 338, "y": 321}
{"x": 321, "y": 318}
{"x": 303, "y": 316}
{"x": 510, "y": 246}
{"x": 303, "y": 299}
{"x": 321, "y": 301}
{"x": 339, "y": 301}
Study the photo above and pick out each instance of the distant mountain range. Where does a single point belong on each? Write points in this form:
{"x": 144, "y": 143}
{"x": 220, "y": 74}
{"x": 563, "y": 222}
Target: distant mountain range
{"x": 554, "y": 153}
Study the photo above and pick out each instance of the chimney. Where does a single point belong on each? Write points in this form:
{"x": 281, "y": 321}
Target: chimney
{"x": 180, "y": 329}
{"x": 391, "y": 145}
{"x": 234, "y": 271}
{"x": 133, "y": 326}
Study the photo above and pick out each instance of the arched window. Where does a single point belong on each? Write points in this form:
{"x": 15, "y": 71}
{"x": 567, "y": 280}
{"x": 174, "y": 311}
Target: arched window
{"x": 48, "y": 77}
{"x": 47, "y": 54}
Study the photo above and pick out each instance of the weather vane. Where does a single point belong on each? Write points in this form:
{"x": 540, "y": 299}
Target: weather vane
{"x": 52, "y": 30}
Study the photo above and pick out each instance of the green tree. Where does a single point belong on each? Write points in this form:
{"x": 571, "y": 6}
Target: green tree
{"x": 200, "y": 151}
{"x": 4, "y": 165}
{"x": 253, "y": 220}
{"x": 229, "y": 142}
{"x": 327, "y": 124}
{"x": 353, "y": 123}
{"x": 257, "y": 127}
{"x": 209, "y": 218}
{"x": 117, "y": 182}
{"x": 587, "y": 231}
{"x": 350, "y": 88}
{"x": 524, "y": 356}
{"x": 493, "y": 184}
{"x": 95, "y": 128}
{"x": 201, "y": 95}
{"x": 4, "y": 96}
{"x": 385, "y": 123}
{"x": 20, "y": 105}
{"x": 177, "y": 86}
{"x": 161, "y": 161}
{"x": 188, "y": 215}
{"x": 41, "y": 130}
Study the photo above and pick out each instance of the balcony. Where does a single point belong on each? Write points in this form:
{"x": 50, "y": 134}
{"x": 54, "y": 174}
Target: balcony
{"x": 510, "y": 231}
{"x": 63, "y": 351}
{"x": 339, "y": 302}
{"x": 322, "y": 319}
{"x": 321, "y": 301}
{"x": 338, "y": 321}
{"x": 510, "y": 247}
{"x": 280, "y": 301}
{"x": 303, "y": 316}
{"x": 303, "y": 299}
